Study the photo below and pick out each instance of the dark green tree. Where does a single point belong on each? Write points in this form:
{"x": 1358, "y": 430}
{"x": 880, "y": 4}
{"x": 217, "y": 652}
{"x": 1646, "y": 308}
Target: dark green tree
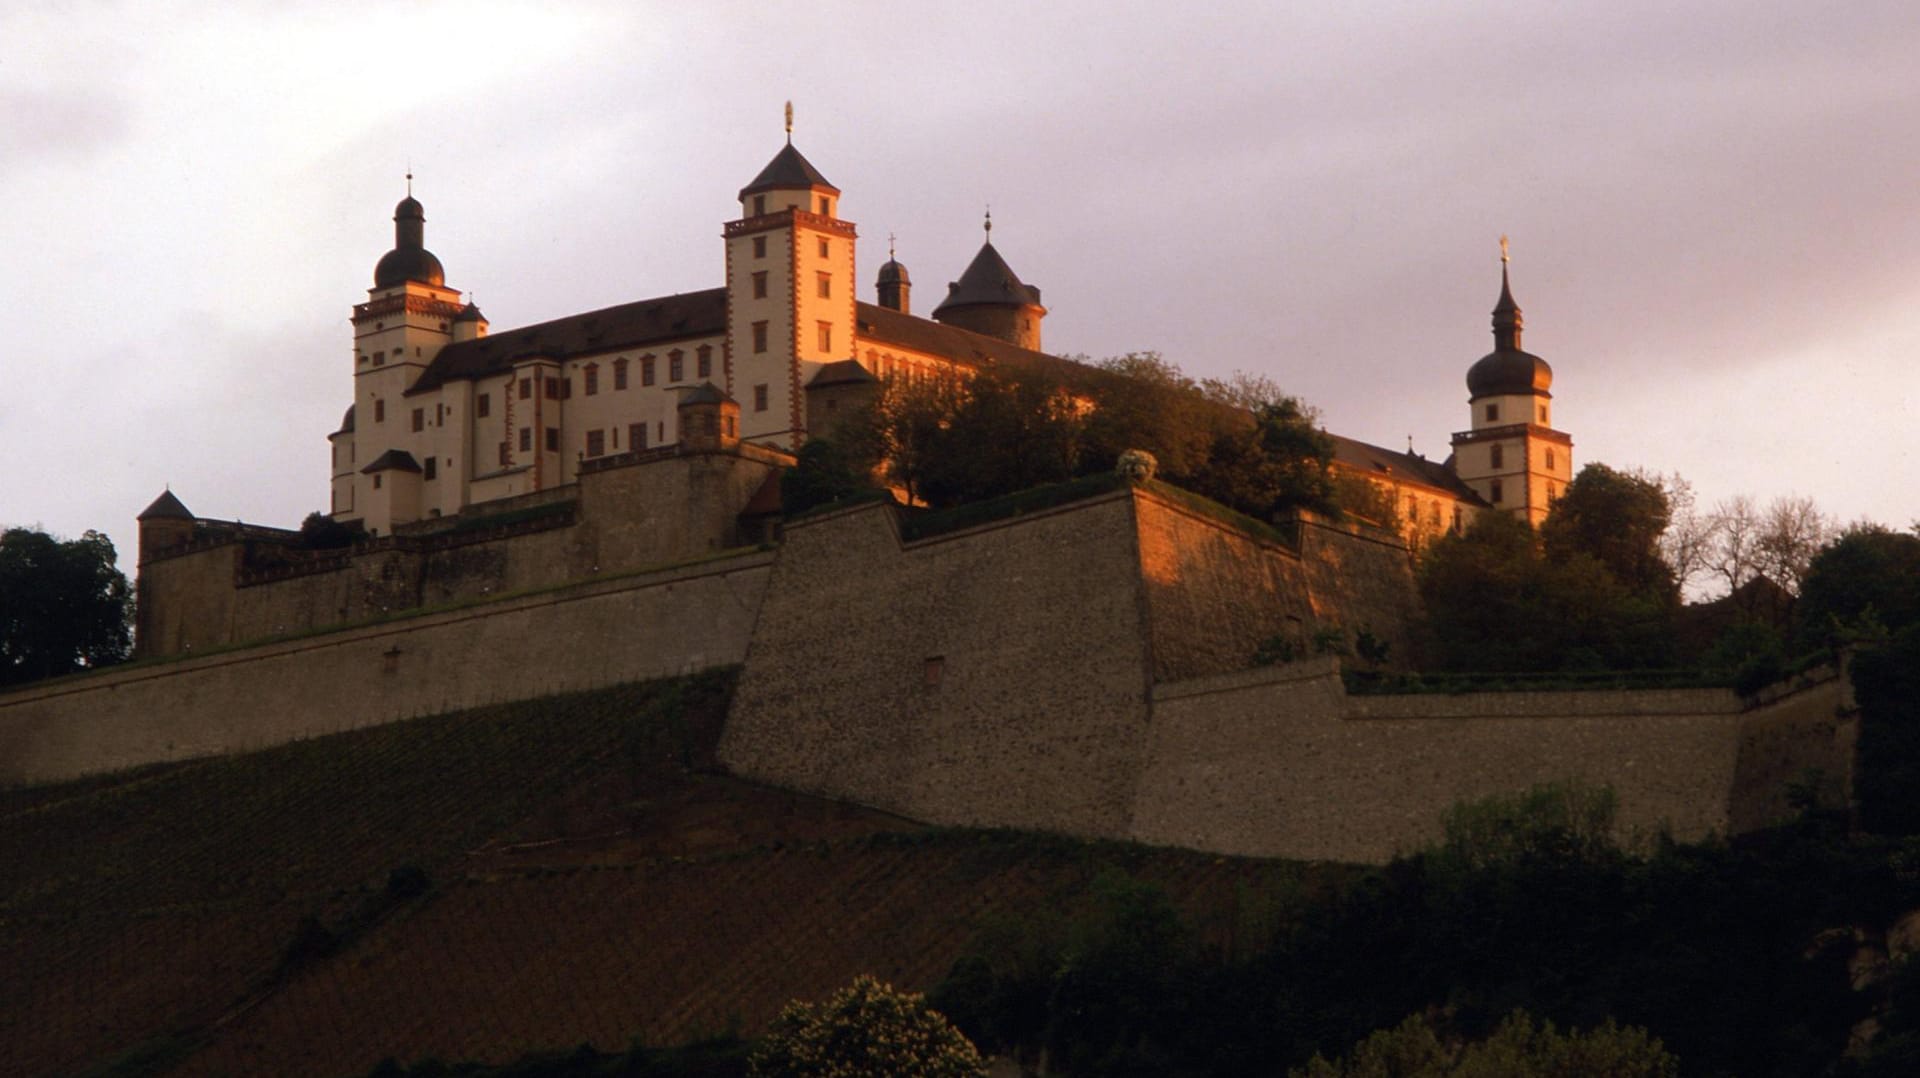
{"x": 1272, "y": 462}
{"x": 951, "y": 443}
{"x": 63, "y": 605}
{"x": 1150, "y": 404}
{"x": 1869, "y": 576}
{"x": 1616, "y": 518}
{"x": 868, "y": 1027}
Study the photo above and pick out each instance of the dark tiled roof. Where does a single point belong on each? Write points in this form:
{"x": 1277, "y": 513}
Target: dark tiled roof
{"x": 884, "y": 325}
{"x": 165, "y": 507}
{"x": 346, "y": 422}
{"x": 393, "y": 460}
{"x": 1400, "y": 467}
{"x": 989, "y": 280}
{"x": 690, "y": 314}
{"x": 705, "y": 393}
{"x": 843, "y": 372}
{"x": 766, "y": 500}
{"x": 787, "y": 169}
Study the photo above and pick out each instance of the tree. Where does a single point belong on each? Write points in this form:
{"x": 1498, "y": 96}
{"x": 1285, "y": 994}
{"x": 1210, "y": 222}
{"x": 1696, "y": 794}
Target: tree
{"x": 63, "y": 605}
{"x": 1617, "y": 518}
{"x": 868, "y": 1027}
{"x": 1870, "y": 574}
{"x": 950, "y": 442}
{"x": 1275, "y": 461}
{"x": 1149, "y": 404}
{"x": 1414, "y": 1049}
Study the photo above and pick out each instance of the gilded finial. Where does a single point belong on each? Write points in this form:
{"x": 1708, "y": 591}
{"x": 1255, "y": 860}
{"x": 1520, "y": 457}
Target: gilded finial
{"x": 890, "y": 247}
{"x": 989, "y": 222}
{"x": 1504, "y": 257}
{"x": 789, "y": 123}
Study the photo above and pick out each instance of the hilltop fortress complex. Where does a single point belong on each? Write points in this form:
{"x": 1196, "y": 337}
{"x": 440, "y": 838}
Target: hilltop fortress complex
{"x": 595, "y": 499}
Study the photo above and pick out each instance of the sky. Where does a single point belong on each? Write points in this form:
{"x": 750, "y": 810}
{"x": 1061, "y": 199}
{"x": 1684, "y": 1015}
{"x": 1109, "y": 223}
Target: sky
{"x": 1714, "y": 209}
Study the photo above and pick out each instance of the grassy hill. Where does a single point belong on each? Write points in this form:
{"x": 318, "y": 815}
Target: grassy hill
{"x": 483, "y": 883}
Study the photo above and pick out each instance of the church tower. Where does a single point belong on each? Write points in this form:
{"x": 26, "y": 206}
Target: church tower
{"x": 1512, "y": 456}
{"x": 790, "y": 294}
{"x": 408, "y": 317}
{"x": 989, "y": 298}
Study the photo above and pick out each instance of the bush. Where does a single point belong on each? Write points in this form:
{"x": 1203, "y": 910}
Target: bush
{"x": 865, "y": 1028}
{"x": 1519, "y": 1047}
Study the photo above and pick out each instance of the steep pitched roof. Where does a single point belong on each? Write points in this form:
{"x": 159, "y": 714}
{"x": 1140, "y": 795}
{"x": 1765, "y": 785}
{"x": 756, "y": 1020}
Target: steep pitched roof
{"x": 787, "y": 169}
{"x": 165, "y": 507}
{"x": 1387, "y": 464}
{"x": 393, "y": 460}
{"x": 884, "y": 325}
{"x": 705, "y": 393}
{"x": 988, "y": 279}
{"x": 628, "y": 325}
{"x": 841, "y": 372}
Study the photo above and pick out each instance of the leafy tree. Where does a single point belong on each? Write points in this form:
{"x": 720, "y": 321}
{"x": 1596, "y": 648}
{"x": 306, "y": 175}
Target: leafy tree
{"x": 866, "y": 1028}
{"x": 1275, "y": 461}
{"x": 1886, "y": 682}
{"x": 63, "y": 605}
{"x": 1495, "y": 601}
{"x": 828, "y": 469}
{"x": 949, "y": 442}
{"x": 1617, "y": 519}
{"x": 320, "y": 531}
{"x": 1150, "y": 404}
{"x": 1518, "y": 1048}
{"x": 1869, "y": 575}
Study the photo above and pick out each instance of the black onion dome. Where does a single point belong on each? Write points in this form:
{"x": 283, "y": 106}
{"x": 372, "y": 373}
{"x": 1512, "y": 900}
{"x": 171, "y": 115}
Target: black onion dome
{"x": 409, "y": 260}
{"x": 892, "y": 272}
{"x": 1507, "y": 370}
{"x": 1505, "y": 374}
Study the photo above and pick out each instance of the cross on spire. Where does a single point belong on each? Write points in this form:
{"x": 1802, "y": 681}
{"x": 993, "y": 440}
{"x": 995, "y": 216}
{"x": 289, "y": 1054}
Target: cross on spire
{"x": 989, "y": 222}
{"x": 789, "y": 123}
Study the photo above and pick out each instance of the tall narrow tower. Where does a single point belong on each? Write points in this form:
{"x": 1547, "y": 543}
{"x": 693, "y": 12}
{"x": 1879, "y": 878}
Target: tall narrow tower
{"x": 790, "y": 294}
{"x": 1512, "y": 456}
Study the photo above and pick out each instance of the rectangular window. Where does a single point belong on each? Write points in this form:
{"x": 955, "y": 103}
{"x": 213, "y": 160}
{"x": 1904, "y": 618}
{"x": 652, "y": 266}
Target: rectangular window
{"x": 1496, "y": 499}
{"x": 376, "y": 480}
{"x": 483, "y": 405}
{"x": 646, "y": 370}
{"x": 705, "y": 362}
{"x": 526, "y": 439}
{"x": 506, "y": 455}
{"x": 826, "y": 336}
{"x": 432, "y": 470}
{"x": 759, "y": 205}
{"x": 553, "y": 389}
{"x": 825, "y": 281}
{"x": 1543, "y": 415}
{"x": 760, "y": 285}
{"x": 759, "y": 336}
{"x": 526, "y": 388}
{"x": 1493, "y": 412}
{"x": 824, "y": 248}
{"x": 379, "y": 411}
{"x": 619, "y": 374}
{"x": 759, "y": 247}
{"x": 596, "y": 443}
{"x": 1550, "y": 458}
{"x": 636, "y": 436}
{"x": 379, "y": 359}
{"x": 676, "y": 367}
{"x": 553, "y": 439}
{"x": 419, "y": 419}
{"x": 760, "y": 397}
{"x": 823, "y": 205}
{"x": 591, "y": 380}
{"x": 1497, "y": 455}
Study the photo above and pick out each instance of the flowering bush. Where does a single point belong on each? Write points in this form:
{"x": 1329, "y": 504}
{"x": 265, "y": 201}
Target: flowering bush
{"x": 865, "y": 1030}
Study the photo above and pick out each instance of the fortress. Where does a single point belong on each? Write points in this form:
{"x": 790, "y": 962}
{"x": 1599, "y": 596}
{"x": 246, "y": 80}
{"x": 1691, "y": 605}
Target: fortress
{"x": 595, "y": 499}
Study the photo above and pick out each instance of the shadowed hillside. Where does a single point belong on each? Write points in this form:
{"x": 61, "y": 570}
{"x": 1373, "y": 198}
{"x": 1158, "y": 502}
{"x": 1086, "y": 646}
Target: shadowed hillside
{"x": 478, "y": 884}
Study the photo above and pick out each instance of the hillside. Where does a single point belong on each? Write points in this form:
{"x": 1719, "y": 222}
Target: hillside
{"x": 477, "y": 884}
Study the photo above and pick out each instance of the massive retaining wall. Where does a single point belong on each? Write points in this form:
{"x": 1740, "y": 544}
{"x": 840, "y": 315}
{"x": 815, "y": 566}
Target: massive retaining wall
{"x": 625, "y": 513}
{"x": 1281, "y": 762}
{"x": 596, "y": 633}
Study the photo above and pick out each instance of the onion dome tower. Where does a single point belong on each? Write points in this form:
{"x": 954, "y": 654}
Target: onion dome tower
{"x": 989, "y": 298}
{"x": 1511, "y": 455}
{"x": 409, "y": 260}
{"x": 894, "y": 286}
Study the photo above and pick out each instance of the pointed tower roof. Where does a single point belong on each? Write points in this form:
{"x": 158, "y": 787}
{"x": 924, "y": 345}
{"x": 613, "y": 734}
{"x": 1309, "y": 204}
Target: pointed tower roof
{"x": 1508, "y": 371}
{"x": 988, "y": 280}
{"x": 788, "y": 169}
{"x": 165, "y": 507}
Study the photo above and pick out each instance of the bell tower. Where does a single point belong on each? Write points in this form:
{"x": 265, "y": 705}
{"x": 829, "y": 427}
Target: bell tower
{"x": 1511, "y": 455}
{"x": 790, "y": 294}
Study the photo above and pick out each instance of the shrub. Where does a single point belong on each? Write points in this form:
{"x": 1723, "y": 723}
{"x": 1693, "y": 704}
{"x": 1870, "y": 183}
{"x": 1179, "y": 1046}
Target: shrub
{"x": 868, "y": 1027}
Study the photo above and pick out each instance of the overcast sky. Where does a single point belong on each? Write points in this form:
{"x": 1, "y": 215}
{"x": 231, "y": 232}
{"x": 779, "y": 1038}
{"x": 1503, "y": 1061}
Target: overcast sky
{"x": 1714, "y": 209}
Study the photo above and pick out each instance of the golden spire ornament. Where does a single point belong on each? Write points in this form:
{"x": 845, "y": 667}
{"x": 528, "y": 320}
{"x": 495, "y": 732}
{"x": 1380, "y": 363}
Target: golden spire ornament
{"x": 789, "y": 123}
{"x": 1503, "y": 250}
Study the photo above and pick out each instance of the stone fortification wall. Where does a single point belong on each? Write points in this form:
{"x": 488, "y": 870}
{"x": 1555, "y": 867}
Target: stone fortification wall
{"x": 1216, "y": 594}
{"x": 997, "y": 676}
{"x": 652, "y": 509}
{"x": 586, "y": 635}
{"x": 1281, "y": 762}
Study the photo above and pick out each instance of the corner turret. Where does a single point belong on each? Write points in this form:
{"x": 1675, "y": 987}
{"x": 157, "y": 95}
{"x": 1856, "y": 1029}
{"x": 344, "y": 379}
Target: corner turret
{"x": 989, "y": 298}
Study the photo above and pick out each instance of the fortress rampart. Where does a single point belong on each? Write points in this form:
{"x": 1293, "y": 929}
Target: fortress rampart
{"x": 1081, "y": 669}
